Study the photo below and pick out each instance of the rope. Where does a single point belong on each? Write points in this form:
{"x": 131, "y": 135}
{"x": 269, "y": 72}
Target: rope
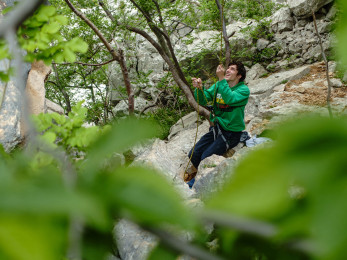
{"x": 221, "y": 32}
{"x": 214, "y": 95}
{"x": 196, "y": 133}
{"x": 197, "y": 123}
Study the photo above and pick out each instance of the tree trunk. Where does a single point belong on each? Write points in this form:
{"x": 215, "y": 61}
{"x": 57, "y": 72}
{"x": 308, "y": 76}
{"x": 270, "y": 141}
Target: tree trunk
{"x": 224, "y": 32}
{"x": 125, "y": 74}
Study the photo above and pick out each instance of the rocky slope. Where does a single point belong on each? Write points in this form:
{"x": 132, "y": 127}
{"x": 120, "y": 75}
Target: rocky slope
{"x": 279, "y": 96}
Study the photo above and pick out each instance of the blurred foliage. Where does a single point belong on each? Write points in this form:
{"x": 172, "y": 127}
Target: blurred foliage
{"x": 40, "y": 36}
{"x": 341, "y": 31}
{"x": 37, "y": 204}
{"x": 296, "y": 186}
{"x": 251, "y": 9}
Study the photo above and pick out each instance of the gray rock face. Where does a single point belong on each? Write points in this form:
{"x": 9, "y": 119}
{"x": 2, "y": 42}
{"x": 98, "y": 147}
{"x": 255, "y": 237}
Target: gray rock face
{"x": 262, "y": 44}
{"x": 345, "y": 77}
{"x": 274, "y": 101}
{"x": 133, "y": 243}
{"x": 122, "y": 107}
{"x": 255, "y": 72}
{"x": 187, "y": 122}
{"x": 53, "y": 107}
{"x": 10, "y": 115}
{"x": 304, "y": 8}
{"x": 282, "y": 20}
{"x": 261, "y": 86}
{"x": 212, "y": 174}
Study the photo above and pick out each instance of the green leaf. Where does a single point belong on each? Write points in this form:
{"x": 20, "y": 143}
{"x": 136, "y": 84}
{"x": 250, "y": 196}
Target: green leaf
{"x": 58, "y": 58}
{"x": 45, "y": 195}
{"x": 4, "y": 77}
{"x": 61, "y": 19}
{"x": 51, "y": 28}
{"x": 342, "y": 32}
{"x": 37, "y": 238}
{"x": 120, "y": 137}
{"x": 69, "y": 55}
{"x": 49, "y": 138}
{"x": 59, "y": 119}
{"x": 78, "y": 45}
{"x": 160, "y": 252}
{"x": 48, "y": 10}
{"x": 255, "y": 189}
{"x": 41, "y": 17}
{"x": 146, "y": 197}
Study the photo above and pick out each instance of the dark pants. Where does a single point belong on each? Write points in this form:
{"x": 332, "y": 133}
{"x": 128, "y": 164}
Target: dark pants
{"x": 213, "y": 143}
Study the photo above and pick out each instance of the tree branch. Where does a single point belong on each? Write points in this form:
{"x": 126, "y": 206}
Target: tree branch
{"x": 86, "y": 64}
{"x": 225, "y": 35}
{"x": 108, "y": 13}
{"x": 181, "y": 246}
{"x": 326, "y": 66}
{"x": 95, "y": 29}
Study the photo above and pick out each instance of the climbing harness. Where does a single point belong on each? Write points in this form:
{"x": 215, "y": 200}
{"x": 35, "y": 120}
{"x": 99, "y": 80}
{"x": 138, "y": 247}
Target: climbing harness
{"x": 219, "y": 133}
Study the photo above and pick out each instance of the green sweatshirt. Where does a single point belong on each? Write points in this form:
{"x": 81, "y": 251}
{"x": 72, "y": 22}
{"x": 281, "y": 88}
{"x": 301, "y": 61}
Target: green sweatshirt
{"x": 236, "y": 97}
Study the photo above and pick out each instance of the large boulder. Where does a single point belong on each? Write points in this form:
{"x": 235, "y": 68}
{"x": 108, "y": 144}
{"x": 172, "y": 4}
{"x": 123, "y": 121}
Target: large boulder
{"x": 133, "y": 243}
{"x": 304, "y": 8}
{"x": 266, "y": 85}
{"x": 186, "y": 122}
{"x": 52, "y": 107}
{"x": 10, "y": 115}
{"x": 282, "y": 20}
{"x": 122, "y": 107}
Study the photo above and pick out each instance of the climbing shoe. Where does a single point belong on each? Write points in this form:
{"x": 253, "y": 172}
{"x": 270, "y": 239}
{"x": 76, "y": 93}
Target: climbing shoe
{"x": 189, "y": 173}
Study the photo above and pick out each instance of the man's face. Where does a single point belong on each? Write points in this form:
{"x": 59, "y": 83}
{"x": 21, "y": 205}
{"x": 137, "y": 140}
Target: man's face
{"x": 231, "y": 73}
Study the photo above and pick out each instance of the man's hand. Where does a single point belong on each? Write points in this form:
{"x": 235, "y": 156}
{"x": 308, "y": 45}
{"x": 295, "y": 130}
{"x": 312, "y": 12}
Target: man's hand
{"x": 220, "y": 72}
{"x": 197, "y": 83}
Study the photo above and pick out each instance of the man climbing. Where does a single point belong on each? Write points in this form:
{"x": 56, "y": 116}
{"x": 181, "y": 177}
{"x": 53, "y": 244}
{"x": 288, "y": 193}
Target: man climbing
{"x": 229, "y": 96}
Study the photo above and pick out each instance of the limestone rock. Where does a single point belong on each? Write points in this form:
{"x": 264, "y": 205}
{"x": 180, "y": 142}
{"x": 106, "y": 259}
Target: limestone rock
{"x": 10, "y": 115}
{"x": 10, "y": 109}
{"x": 140, "y": 103}
{"x": 187, "y": 122}
{"x": 304, "y": 8}
{"x": 282, "y": 20}
{"x": 171, "y": 158}
{"x": 133, "y": 243}
{"x": 53, "y": 107}
{"x": 261, "y": 86}
{"x": 336, "y": 83}
{"x": 262, "y": 44}
{"x": 255, "y": 72}
{"x": 345, "y": 77}
{"x": 210, "y": 177}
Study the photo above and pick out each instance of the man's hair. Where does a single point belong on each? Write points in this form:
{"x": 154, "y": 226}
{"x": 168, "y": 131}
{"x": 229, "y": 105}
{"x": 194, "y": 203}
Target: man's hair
{"x": 240, "y": 69}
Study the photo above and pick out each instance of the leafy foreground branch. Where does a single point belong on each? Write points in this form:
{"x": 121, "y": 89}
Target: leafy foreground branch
{"x": 290, "y": 190}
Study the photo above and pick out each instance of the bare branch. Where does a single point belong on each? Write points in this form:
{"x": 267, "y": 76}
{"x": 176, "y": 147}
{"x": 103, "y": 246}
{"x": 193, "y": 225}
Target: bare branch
{"x": 182, "y": 246}
{"x": 240, "y": 224}
{"x": 224, "y": 32}
{"x": 326, "y": 65}
{"x": 86, "y": 64}
{"x": 95, "y": 29}
{"x": 109, "y": 14}
{"x": 154, "y": 104}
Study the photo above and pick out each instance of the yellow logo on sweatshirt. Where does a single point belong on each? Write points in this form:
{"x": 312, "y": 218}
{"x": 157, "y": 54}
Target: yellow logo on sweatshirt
{"x": 219, "y": 99}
